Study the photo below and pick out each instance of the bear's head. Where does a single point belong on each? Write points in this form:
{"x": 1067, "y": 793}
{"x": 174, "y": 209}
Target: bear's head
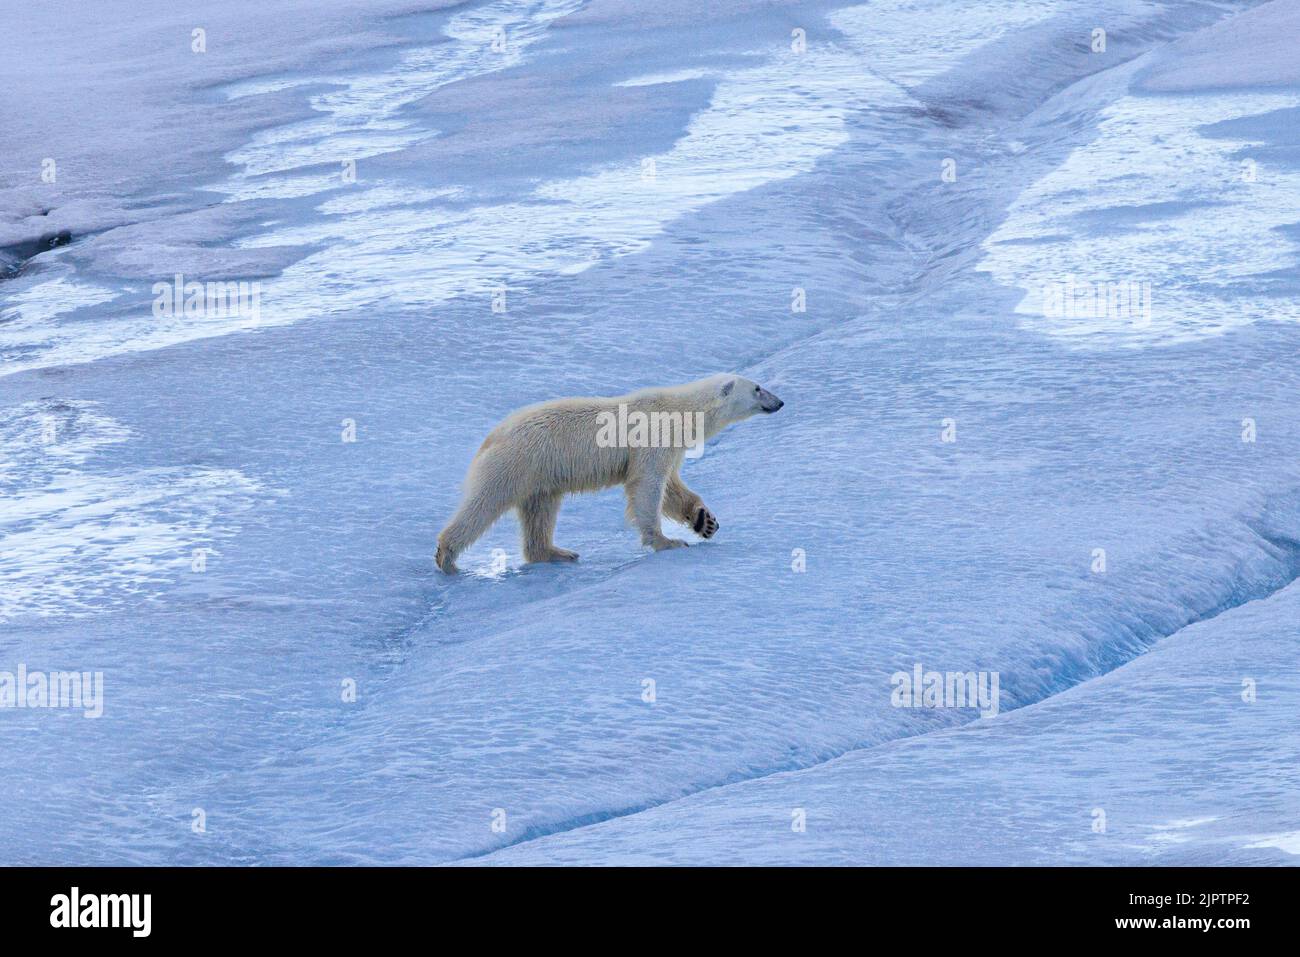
{"x": 740, "y": 398}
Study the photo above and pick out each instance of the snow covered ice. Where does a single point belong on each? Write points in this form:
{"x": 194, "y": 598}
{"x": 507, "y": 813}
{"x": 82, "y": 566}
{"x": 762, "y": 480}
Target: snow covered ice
{"x": 1029, "y": 294}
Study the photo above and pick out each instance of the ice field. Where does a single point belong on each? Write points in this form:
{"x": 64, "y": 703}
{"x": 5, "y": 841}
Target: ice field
{"x": 1031, "y": 305}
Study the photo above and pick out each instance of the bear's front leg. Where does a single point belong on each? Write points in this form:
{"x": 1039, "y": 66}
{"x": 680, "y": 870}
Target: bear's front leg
{"x": 685, "y": 506}
{"x": 705, "y": 525}
{"x": 645, "y": 494}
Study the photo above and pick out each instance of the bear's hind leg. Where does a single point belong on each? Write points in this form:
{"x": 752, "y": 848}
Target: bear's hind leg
{"x": 474, "y": 517}
{"x": 537, "y": 515}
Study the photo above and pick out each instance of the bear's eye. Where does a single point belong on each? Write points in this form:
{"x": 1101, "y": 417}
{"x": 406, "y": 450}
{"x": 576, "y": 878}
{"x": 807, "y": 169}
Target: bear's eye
{"x": 756, "y": 390}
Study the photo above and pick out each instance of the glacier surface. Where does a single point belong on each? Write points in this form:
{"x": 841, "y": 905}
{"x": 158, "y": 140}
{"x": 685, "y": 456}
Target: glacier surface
{"x": 1039, "y": 424}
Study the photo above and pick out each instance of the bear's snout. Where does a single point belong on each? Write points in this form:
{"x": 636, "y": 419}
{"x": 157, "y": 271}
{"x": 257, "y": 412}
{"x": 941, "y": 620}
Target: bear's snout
{"x": 768, "y": 402}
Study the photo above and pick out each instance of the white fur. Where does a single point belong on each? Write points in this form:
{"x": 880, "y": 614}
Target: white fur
{"x": 542, "y": 452}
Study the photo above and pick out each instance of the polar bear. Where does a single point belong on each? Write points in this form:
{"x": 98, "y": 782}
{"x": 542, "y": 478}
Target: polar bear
{"x": 542, "y": 452}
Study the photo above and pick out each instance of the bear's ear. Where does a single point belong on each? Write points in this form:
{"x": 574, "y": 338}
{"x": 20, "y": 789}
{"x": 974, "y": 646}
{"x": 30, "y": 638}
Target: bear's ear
{"x": 726, "y": 389}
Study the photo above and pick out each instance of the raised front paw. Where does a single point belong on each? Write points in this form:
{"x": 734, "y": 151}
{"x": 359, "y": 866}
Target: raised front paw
{"x": 705, "y": 523}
